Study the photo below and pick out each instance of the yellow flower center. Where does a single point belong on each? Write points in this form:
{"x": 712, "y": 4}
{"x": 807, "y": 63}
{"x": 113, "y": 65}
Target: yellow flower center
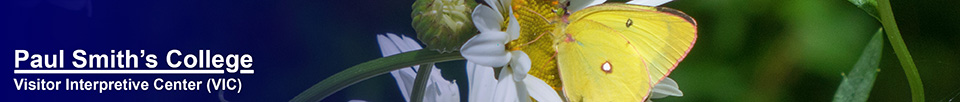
{"x": 536, "y": 19}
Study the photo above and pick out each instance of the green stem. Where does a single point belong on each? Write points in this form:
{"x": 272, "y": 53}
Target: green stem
{"x": 890, "y": 24}
{"x": 421, "y": 82}
{"x": 369, "y": 69}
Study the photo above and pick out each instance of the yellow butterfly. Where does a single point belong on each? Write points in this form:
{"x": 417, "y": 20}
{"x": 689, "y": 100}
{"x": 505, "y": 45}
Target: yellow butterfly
{"x": 603, "y": 53}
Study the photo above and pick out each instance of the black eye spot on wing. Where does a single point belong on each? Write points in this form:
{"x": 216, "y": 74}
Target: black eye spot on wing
{"x": 629, "y": 22}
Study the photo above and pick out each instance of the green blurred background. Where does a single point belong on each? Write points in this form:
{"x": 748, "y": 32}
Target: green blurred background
{"x": 784, "y": 51}
{"x": 796, "y": 50}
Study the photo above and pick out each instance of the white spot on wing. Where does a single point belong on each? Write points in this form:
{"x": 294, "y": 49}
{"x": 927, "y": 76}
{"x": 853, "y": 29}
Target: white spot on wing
{"x": 606, "y": 67}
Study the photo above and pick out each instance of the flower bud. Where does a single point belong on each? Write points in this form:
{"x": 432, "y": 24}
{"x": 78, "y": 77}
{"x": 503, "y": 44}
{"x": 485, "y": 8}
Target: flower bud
{"x": 443, "y": 25}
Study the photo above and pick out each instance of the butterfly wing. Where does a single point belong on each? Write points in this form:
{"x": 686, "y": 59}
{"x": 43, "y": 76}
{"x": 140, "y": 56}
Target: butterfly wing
{"x": 618, "y": 52}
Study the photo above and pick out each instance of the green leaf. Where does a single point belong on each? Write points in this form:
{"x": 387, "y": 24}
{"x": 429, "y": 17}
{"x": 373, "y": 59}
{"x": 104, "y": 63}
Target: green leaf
{"x": 369, "y": 69}
{"x": 869, "y": 6}
{"x": 856, "y": 85}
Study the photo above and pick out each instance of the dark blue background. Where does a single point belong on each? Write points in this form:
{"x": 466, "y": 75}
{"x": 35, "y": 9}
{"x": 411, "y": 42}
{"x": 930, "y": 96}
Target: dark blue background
{"x": 786, "y": 50}
{"x": 295, "y": 44}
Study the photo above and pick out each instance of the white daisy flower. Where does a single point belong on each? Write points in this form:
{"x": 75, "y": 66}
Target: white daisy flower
{"x": 487, "y": 50}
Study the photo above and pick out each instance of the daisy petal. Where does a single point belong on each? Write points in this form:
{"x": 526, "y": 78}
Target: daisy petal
{"x": 576, "y": 5}
{"x": 438, "y": 89}
{"x": 410, "y": 43}
{"x": 506, "y": 89}
{"x": 404, "y": 76}
{"x": 430, "y": 93}
{"x": 481, "y": 81}
{"x": 487, "y": 49}
{"x": 493, "y": 4}
{"x": 520, "y": 90}
{"x": 522, "y": 94}
{"x": 387, "y": 47}
{"x": 666, "y": 87}
{"x": 520, "y": 64}
{"x": 501, "y": 76}
{"x": 649, "y": 2}
{"x": 357, "y": 101}
{"x": 486, "y": 19}
{"x": 398, "y": 42}
{"x": 449, "y": 93}
{"x": 505, "y": 6}
{"x": 539, "y": 90}
{"x": 513, "y": 28}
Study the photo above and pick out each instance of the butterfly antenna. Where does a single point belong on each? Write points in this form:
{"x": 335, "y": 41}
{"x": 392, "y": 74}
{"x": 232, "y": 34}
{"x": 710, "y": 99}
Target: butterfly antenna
{"x": 535, "y": 39}
{"x": 538, "y": 14}
{"x": 552, "y": 57}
